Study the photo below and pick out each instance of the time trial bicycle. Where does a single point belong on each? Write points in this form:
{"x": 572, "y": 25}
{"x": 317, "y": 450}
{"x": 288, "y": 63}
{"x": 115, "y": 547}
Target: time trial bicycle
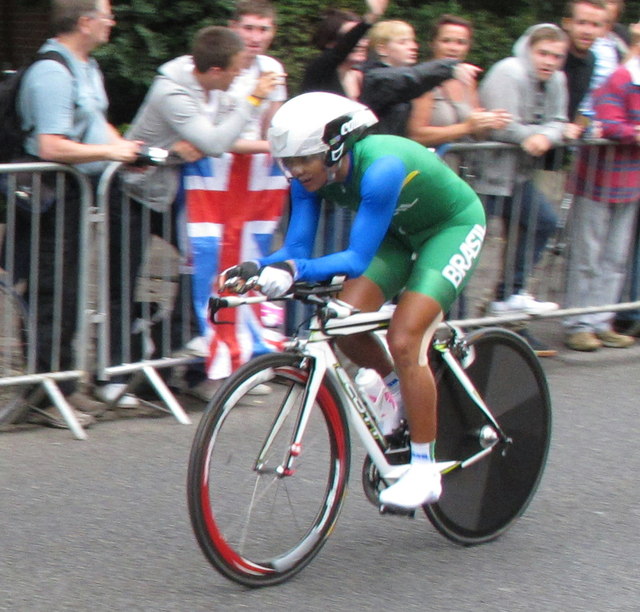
{"x": 268, "y": 475}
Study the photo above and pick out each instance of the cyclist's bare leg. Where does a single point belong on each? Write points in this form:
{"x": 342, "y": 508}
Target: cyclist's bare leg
{"x": 364, "y": 349}
{"x": 412, "y": 326}
{"x": 414, "y": 316}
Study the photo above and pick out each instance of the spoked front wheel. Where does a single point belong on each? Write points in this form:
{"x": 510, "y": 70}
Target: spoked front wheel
{"x": 481, "y": 500}
{"x": 257, "y": 521}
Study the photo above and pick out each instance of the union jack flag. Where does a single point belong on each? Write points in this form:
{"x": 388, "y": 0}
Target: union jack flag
{"x": 233, "y": 205}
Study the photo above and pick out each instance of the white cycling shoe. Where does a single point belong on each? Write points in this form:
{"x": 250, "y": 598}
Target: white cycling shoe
{"x": 421, "y": 484}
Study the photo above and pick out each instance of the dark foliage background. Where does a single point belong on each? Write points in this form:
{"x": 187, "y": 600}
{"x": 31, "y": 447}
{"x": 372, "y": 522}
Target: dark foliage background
{"x": 149, "y": 32}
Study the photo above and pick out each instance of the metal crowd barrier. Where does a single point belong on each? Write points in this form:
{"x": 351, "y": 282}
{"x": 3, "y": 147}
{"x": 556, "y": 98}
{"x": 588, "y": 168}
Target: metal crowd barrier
{"x": 35, "y": 205}
{"x": 35, "y": 356}
{"x": 128, "y": 251}
{"x": 137, "y": 335}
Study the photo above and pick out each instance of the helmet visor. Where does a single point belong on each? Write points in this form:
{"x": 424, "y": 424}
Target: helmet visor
{"x": 291, "y": 165}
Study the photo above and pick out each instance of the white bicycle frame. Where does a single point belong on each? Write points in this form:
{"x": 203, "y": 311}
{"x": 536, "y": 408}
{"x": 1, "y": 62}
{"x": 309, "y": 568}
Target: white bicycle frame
{"x": 324, "y": 362}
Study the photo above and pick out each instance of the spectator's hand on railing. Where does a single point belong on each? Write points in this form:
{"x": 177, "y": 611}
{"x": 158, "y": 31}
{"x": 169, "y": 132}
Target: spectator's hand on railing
{"x": 122, "y": 150}
{"x": 481, "y": 120}
{"x": 466, "y": 73}
{"x": 501, "y": 118}
{"x": 572, "y": 131}
{"x": 595, "y": 130}
{"x": 186, "y": 151}
{"x": 536, "y": 145}
{"x": 266, "y": 83}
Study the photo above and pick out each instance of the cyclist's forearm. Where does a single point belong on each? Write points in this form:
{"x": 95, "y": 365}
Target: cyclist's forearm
{"x": 348, "y": 262}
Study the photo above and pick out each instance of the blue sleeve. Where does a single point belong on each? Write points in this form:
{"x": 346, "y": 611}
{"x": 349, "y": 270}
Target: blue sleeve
{"x": 303, "y": 222}
{"x": 379, "y": 191}
{"x": 46, "y": 100}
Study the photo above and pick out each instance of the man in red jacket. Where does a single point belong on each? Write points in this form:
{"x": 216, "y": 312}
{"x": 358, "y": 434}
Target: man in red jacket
{"x": 607, "y": 190}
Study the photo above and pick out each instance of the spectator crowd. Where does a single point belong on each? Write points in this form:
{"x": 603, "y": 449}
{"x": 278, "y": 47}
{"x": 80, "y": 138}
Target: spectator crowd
{"x": 224, "y": 194}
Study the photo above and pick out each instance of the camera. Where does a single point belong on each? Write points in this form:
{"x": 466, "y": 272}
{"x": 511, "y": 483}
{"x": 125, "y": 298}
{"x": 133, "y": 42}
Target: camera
{"x": 151, "y": 156}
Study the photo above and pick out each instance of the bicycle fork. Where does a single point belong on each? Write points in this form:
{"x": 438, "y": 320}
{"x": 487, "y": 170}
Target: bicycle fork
{"x": 321, "y": 363}
{"x": 317, "y": 371}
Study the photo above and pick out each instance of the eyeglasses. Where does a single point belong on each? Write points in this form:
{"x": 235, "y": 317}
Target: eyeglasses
{"x": 101, "y": 15}
{"x": 301, "y": 160}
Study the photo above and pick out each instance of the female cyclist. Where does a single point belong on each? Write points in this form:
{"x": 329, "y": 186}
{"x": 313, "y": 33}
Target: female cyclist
{"x": 417, "y": 234}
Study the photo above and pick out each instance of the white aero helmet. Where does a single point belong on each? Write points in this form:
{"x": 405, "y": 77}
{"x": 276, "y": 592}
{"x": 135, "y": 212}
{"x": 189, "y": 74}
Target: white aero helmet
{"x": 317, "y": 122}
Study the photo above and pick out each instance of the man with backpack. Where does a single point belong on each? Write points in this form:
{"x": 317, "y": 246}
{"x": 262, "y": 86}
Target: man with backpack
{"x": 63, "y": 108}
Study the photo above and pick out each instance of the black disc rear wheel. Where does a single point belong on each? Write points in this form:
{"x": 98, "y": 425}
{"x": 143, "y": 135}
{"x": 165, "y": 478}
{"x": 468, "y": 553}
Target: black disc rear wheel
{"x": 481, "y": 501}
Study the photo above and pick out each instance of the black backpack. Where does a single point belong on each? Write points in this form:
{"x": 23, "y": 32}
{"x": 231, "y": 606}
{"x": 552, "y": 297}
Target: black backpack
{"x": 11, "y": 133}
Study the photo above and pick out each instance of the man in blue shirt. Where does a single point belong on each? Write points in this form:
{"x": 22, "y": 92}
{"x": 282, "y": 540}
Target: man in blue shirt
{"x": 64, "y": 111}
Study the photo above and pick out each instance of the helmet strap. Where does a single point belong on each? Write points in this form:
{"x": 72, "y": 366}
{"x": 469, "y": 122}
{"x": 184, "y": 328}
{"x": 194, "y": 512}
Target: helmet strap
{"x": 337, "y": 169}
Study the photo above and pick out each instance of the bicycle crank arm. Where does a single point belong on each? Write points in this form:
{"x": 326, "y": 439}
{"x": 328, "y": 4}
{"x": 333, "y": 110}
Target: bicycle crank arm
{"x": 397, "y": 511}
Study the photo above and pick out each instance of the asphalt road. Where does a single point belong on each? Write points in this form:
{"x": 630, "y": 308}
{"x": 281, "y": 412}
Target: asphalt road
{"x": 103, "y": 525}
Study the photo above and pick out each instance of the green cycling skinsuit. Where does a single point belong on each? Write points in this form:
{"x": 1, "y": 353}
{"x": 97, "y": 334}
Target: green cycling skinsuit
{"x": 418, "y": 226}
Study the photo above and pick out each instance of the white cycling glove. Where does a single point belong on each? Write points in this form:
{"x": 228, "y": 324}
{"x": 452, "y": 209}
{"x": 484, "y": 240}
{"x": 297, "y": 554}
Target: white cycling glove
{"x": 240, "y": 278}
{"x": 276, "y": 279}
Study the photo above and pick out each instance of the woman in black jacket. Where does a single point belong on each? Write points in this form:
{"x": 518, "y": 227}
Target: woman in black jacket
{"x": 341, "y": 38}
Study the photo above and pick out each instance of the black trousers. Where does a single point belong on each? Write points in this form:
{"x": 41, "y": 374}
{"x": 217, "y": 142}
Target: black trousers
{"x": 52, "y": 277}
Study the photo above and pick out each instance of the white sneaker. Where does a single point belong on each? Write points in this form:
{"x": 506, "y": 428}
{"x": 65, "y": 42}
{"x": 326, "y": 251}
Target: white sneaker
{"x": 522, "y": 303}
{"x": 196, "y": 347}
{"x": 51, "y": 417}
{"x": 421, "y": 484}
{"x": 108, "y": 393}
{"x": 205, "y": 390}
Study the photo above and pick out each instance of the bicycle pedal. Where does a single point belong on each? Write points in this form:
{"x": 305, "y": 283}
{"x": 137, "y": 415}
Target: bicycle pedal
{"x": 394, "y": 510}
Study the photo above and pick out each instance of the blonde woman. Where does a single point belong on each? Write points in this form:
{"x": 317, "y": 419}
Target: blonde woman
{"x": 392, "y": 79}
{"x": 393, "y": 43}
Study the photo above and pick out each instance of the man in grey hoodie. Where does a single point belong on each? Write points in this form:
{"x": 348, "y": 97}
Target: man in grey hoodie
{"x": 532, "y": 87}
{"x": 175, "y": 115}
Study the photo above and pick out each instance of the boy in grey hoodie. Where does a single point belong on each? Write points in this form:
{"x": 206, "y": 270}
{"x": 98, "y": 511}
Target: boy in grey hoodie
{"x": 532, "y": 87}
